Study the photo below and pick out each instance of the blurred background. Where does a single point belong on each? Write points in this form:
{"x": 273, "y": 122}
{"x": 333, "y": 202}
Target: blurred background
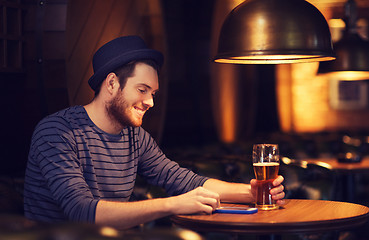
{"x": 207, "y": 115}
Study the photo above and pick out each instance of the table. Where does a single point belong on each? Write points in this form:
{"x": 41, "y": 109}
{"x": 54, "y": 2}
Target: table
{"x": 344, "y": 172}
{"x": 295, "y": 217}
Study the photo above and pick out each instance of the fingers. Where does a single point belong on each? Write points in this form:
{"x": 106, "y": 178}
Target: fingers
{"x": 207, "y": 205}
{"x": 281, "y": 202}
{"x": 277, "y": 191}
{"x": 253, "y": 182}
{"x": 208, "y": 199}
{"x": 278, "y": 180}
{"x": 212, "y": 202}
{"x": 199, "y": 200}
{"x": 278, "y": 195}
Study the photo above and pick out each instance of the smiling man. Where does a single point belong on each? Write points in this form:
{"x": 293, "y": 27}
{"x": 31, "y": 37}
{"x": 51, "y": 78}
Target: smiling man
{"x": 83, "y": 160}
{"x": 126, "y": 101}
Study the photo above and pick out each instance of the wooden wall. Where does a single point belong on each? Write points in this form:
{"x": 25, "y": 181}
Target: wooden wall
{"x": 305, "y": 103}
{"x": 90, "y": 24}
{"x": 58, "y": 40}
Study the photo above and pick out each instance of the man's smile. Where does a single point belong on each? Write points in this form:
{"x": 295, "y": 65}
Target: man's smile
{"x": 140, "y": 111}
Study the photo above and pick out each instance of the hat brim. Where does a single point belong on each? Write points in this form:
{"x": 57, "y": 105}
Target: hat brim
{"x": 96, "y": 79}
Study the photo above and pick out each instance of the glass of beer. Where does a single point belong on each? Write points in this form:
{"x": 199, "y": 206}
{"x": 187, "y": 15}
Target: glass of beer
{"x": 265, "y": 158}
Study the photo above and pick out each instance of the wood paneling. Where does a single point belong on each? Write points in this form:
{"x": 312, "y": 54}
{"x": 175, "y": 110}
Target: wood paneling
{"x": 304, "y": 103}
{"x": 90, "y": 24}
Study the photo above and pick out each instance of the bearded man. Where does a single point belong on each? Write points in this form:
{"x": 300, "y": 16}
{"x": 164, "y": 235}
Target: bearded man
{"x": 83, "y": 160}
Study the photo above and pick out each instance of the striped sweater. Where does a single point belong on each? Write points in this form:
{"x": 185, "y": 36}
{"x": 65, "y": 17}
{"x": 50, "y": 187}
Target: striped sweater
{"x": 72, "y": 164}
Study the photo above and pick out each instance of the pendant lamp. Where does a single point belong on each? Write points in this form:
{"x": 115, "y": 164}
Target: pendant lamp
{"x": 274, "y": 32}
{"x": 352, "y": 51}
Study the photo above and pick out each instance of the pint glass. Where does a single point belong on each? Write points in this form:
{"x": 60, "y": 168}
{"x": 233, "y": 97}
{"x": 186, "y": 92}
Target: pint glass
{"x": 265, "y": 159}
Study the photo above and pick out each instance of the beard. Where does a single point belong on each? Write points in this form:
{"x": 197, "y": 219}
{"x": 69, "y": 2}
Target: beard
{"x": 119, "y": 111}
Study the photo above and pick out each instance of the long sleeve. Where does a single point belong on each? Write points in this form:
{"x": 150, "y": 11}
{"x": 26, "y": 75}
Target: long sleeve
{"x": 54, "y": 175}
{"x": 160, "y": 171}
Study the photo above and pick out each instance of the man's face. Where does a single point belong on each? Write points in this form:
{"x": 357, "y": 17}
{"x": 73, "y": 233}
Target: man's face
{"x": 129, "y": 105}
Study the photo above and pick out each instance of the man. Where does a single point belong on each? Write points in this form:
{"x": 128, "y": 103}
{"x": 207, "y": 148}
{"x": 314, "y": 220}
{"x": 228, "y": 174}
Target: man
{"x": 83, "y": 160}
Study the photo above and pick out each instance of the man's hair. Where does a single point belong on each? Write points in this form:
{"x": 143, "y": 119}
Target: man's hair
{"x": 126, "y": 71}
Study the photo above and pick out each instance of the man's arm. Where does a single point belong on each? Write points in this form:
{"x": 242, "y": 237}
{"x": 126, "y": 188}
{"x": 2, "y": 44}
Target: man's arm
{"x": 204, "y": 199}
{"x": 123, "y": 215}
{"x": 230, "y": 192}
{"x": 243, "y": 193}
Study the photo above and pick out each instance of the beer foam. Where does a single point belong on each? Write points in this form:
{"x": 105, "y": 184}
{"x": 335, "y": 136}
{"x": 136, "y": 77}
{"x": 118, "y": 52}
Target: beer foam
{"x": 266, "y": 164}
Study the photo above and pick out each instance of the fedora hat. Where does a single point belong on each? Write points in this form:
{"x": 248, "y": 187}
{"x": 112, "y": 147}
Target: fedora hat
{"x": 118, "y": 52}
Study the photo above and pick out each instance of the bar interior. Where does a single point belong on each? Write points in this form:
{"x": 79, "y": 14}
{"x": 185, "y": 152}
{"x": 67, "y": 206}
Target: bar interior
{"x": 208, "y": 114}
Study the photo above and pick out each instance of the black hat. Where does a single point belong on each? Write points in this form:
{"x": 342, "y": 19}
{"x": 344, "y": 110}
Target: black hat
{"x": 118, "y": 52}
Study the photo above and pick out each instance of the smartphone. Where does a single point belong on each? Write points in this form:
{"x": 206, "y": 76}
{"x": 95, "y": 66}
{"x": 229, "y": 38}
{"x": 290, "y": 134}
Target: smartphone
{"x": 236, "y": 210}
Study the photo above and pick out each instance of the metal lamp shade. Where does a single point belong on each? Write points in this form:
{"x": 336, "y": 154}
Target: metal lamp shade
{"x": 274, "y": 32}
{"x": 352, "y": 61}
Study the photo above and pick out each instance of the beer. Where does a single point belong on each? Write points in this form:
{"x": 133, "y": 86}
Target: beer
{"x": 265, "y": 173}
{"x": 266, "y": 170}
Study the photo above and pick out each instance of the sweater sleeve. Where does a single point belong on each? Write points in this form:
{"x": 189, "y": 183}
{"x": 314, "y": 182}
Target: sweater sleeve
{"x": 56, "y": 173}
{"x": 159, "y": 170}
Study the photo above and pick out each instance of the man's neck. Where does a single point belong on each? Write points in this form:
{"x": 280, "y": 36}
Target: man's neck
{"x": 99, "y": 116}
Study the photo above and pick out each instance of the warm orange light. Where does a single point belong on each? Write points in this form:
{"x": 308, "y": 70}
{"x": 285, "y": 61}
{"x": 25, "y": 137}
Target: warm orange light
{"x": 348, "y": 75}
{"x": 305, "y": 102}
{"x": 228, "y": 104}
{"x": 186, "y": 234}
{"x": 224, "y": 80}
{"x": 283, "y": 88}
{"x": 336, "y": 23}
{"x": 302, "y": 99}
{"x": 109, "y": 232}
{"x": 274, "y": 59}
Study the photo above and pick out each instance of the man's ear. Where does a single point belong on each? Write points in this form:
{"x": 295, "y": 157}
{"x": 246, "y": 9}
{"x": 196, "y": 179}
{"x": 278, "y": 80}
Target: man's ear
{"x": 111, "y": 83}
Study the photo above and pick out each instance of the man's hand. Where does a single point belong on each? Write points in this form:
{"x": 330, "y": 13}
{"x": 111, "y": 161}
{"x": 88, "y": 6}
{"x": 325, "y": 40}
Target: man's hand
{"x": 276, "y": 191}
{"x": 199, "y": 200}
{"x": 123, "y": 215}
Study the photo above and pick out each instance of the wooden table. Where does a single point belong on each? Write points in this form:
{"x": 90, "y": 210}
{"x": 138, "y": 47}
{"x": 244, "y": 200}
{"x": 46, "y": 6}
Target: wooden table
{"x": 344, "y": 173}
{"x": 295, "y": 217}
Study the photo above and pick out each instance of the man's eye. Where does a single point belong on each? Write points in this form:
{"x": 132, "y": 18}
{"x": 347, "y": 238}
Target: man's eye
{"x": 142, "y": 90}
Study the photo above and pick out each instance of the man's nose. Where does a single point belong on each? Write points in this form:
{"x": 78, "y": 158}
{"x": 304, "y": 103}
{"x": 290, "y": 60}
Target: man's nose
{"x": 149, "y": 102}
